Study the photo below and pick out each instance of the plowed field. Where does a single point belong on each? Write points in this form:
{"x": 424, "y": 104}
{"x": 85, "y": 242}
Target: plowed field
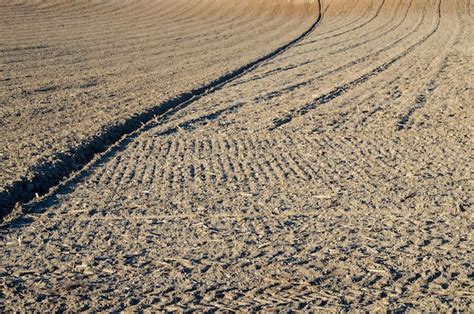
{"x": 312, "y": 156}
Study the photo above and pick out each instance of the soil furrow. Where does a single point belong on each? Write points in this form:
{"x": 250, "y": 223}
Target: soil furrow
{"x": 340, "y": 90}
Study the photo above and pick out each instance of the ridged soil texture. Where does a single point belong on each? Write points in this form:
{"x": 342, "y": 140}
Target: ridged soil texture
{"x": 334, "y": 176}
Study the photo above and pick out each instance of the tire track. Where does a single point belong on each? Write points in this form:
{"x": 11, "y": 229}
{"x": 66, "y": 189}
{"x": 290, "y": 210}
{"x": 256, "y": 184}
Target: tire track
{"x": 47, "y": 176}
{"x": 335, "y": 52}
{"x": 232, "y": 108}
{"x": 393, "y": 91}
{"x": 381, "y": 35}
{"x": 363, "y": 115}
{"x": 342, "y": 89}
{"x": 426, "y": 92}
{"x": 348, "y": 65}
{"x": 368, "y": 10}
{"x": 350, "y": 30}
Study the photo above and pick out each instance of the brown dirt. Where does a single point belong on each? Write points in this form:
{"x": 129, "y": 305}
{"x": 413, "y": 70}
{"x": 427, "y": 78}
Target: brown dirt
{"x": 334, "y": 177}
{"x": 77, "y": 76}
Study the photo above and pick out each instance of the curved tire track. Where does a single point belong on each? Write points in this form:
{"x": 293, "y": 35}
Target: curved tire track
{"x": 342, "y": 89}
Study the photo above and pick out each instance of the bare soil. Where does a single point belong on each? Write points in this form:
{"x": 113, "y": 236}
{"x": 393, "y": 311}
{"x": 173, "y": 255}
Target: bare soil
{"x": 78, "y": 76}
{"x": 333, "y": 177}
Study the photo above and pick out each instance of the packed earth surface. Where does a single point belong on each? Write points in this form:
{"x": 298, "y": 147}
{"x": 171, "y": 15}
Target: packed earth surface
{"x": 217, "y": 155}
